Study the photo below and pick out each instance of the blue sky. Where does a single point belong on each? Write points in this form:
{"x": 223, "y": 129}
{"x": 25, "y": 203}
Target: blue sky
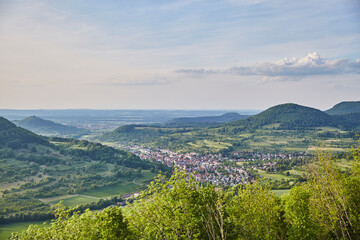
{"x": 185, "y": 54}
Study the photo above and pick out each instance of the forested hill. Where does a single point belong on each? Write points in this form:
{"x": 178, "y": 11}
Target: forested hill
{"x": 47, "y": 127}
{"x": 139, "y": 133}
{"x": 345, "y": 108}
{"x": 287, "y": 116}
{"x": 16, "y": 137}
{"x": 205, "y": 121}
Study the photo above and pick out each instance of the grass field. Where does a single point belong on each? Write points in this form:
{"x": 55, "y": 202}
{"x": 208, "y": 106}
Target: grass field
{"x": 75, "y": 201}
{"x": 210, "y": 144}
{"x": 112, "y": 190}
{"x": 274, "y": 176}
{"x": 7, "y": 229}
{"x": 57, "y": 198}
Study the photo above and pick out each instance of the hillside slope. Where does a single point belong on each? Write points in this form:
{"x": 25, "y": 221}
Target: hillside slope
{"x": 16, "y": 137}
{"x": 205, "y": 121}
{"x": 287, "y": 116}
{"x": 34, "y": 167}
{"x": 139, "y": 133}
{"x": 344, "y": 108}
{"x": 47, "y": 127}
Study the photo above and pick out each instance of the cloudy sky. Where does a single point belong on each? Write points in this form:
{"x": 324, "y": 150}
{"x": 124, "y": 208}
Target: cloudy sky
{"x": 184, "y": 54}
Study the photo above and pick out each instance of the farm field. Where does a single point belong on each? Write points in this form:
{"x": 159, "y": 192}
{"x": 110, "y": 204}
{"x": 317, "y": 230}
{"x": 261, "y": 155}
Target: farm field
{"x": 273, "y": 176}
{"x": 124, "y": 187}
{"x": 76, "y": 200}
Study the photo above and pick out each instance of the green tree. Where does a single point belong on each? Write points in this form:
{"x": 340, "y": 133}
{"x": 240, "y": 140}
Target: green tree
{"x": 298, "y": 214}
{"x": 256, "y": 213}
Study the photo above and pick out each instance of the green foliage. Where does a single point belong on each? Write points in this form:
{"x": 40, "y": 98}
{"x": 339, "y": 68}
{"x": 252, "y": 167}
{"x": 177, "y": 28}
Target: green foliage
{"x": 168, "y": 210}
{"x": 256, "y": 213}
{"x": 298, "y": 214}
{"x": 107, "y": 224}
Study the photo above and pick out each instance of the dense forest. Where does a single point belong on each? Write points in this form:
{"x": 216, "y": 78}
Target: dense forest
{"x": 326, "y": 206}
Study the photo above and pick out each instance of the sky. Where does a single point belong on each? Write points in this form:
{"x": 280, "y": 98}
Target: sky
{"x": 183, "y": 54}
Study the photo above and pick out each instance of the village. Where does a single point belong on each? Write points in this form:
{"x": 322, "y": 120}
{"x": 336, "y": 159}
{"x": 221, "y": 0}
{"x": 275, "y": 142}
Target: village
{"x": 214, "y": 168}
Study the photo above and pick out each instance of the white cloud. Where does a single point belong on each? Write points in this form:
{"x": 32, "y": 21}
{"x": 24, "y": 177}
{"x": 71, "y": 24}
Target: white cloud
{"x": 287, "y": 68}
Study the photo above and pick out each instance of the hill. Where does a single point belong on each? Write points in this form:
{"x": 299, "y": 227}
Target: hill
{"x": 139, "y": 133}
{"x": 344, "y": 108}
{"x": 348, "y": 121}
{"x": 287, "y": 116}
{"x": 35, "y": 168}
{"x": 15, "y": 137}
{"x": 205, "y": 121}
{"x": 47, "y": 127}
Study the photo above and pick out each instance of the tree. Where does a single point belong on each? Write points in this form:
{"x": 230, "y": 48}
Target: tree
{"x": 256, "y": 213}
{"x": 298, "y": 214}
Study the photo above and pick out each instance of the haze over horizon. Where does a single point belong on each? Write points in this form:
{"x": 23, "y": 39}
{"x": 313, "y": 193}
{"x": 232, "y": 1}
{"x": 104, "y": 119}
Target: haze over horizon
{"x": 185, "y": 54}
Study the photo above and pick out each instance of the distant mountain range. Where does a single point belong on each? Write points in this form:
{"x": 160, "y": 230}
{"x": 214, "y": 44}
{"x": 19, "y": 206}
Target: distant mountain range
{"x": 345, "y": 108}
{"x": 47, "y": 127}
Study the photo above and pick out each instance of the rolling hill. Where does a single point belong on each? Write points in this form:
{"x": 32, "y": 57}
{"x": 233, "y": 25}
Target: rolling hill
{"x": 344, "y": 108}
{"x": 287, "y": 116}
{"x": 34, "y": 168}
{"x": 47, "y": 127}
{"x": 205, "y": 121}
{"x": 139, "y": 133}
